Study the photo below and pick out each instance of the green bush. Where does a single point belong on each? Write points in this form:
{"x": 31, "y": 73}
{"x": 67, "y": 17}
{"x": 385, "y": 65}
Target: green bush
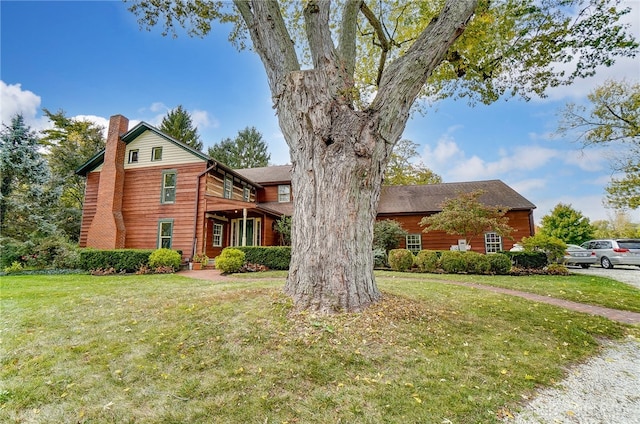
{"x": 9, "y": 251}
{"x": 557, "y": 269}
{"x": 387, "y": 234}
{"x": 427, "y": 260}
{"x": 499, "y": 263}
{"x": 230, "y": 260}
{"x": 128, "y": 260}
{"x": 477, "y": 263}
{"x": 453, "y": 262}
{"x": 165, "y": 258}
{"x": 273, "y": 257}
{"x": 14, "y": 267}
{"x": 379, "y": 258}
{"x": 527, "y": 260}
{"x": 553, "y": 247}
{"x": 400, "y": 259}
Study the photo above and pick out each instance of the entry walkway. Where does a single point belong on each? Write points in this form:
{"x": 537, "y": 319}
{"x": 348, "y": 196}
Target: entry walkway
{"x": 626, "y": 317}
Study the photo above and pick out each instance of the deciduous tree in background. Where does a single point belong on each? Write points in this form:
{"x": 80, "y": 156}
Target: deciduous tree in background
{"x": 344, "y": 109}
{"x": 247, "y": 150}
{"x": 467, "y": 216}
{"x": 612, "y": 118}
{"x": 567, "y": 224}
{"x": 402, "y": 169}
{"x": 70, "y": 143}
{"x": 620, "y": 226}
{"x": 178, "y": 124}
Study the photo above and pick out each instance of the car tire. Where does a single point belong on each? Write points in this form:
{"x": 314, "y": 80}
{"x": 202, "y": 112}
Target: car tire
{"x": 585, "y": 266}
{"x": 606, "y": 263}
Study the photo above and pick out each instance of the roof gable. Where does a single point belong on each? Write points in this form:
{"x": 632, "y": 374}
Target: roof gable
{"x": 132, "y": 135}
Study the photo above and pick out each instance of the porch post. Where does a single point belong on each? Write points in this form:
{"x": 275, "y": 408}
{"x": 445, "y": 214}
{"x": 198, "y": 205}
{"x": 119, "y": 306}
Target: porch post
{"x": 244, "y": 227}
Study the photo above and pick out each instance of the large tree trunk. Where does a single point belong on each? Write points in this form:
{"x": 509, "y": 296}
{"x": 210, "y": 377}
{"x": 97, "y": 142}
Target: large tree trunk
{"x": 337, "y": 174}
{"x": 339, "y": 154}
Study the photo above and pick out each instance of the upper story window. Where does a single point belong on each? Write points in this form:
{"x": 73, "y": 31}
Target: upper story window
{"x": 156, "y": 154}
{"x": 284, "y": 193}
{"x": 246, "y": 194}
{"x": 228, "y": 187}
{"x": 133, "y": 156}
{"x": 169, "y": 180}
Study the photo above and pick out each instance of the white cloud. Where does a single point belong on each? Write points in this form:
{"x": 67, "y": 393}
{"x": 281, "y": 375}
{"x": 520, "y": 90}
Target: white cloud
{"x": 98, "y": 120}
{"x": 15, "y": 100}
{"x": 201, "y": 119}
{"x": 588, "y": 160}
{"x": 158, "y": 107}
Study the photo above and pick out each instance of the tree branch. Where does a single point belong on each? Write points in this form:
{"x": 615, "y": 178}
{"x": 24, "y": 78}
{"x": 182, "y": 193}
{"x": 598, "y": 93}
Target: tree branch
{"x": 316, "y": 17}
{"x": 381, "y": 35}
{"x": 402, "y": 81}
{"x": 271, "y": 40}
{"x": 348, "y": 29}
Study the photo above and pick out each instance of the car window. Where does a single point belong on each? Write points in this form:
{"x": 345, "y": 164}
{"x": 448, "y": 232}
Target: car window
{"x": 629, "y": 244}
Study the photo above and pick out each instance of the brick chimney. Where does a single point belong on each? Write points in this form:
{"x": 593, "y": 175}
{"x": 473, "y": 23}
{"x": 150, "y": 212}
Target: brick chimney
{"x": 107, "y": 230}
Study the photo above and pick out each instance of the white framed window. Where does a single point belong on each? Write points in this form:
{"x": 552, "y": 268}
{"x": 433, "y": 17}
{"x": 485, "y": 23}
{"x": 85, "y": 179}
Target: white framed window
{"x": 133, "y": 156}
{"x": 254, "y": 233}
{"x": 246, "y": 194}
{"x": 492, "y": 243}
{"x": 217, "y": 235}
{"x": 414, "y": 242}
{"x": 284, "y": 193}
{"x": 165, "y": 233}
{"x": 228, "y": 187}
{"x": 156, "y": 154}
{"x": 169, "y": 181}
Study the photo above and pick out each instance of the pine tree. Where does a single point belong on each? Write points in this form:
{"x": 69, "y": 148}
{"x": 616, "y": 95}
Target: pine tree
{"x": 247, "y": 150}
{"x": 178, "y": 124}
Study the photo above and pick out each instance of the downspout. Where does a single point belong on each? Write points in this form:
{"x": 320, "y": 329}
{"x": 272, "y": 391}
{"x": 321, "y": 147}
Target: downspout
{"x": 195, "y": 213}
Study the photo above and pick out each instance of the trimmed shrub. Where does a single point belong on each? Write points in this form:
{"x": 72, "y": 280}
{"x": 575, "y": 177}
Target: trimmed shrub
{"x": 499, "y": 263}
{"x": 127, "y": 260}
{"x": 453, "y": 262}
{"x": 525, "y": 259}
{"x": 164, "y": 258}
{"x": 427, "y": 260}
{"x": 400, "y": 259}
{"x": 273, "y": 257}
{"x": 379, "y": 258}
{"x": 557, "y": 269}
{"x": 477, "y": 263}
{"x": 230, "y": 260}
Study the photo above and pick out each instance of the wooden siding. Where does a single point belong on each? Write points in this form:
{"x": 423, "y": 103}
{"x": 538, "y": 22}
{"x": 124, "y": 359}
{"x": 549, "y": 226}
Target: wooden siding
{"x": 439, "y": 240}
{"x": 172, "y": 154}
{"x": 142, "y": 209}
{"x": 269, "y": 194}
{"x": 90, "y": 205}
{"x": 215, "y": 187}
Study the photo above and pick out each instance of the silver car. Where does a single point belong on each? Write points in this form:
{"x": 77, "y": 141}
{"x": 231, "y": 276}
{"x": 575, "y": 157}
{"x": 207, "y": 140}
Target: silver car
{"x": 612, "y": 252}
{"x": 576, "y": 255}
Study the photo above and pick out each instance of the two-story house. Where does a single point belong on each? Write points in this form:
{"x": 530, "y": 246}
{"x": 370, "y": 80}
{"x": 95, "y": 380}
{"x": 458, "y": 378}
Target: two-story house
{"x": 147, "y": 190}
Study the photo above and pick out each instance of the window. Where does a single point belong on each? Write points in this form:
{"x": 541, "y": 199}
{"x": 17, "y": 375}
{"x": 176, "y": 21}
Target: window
{"x": 169, "y": 179}
{"x": 133, "y": 156}
{"x": 246, "y": 194}
{"x": 165, "y": 233}
{"x": 228, "y": 187}
{"x": 156, "y": 154}
{"x": 284, "y": 193}
{"x": 414, "y": 243}
{"x": 217, "y": 235}
{"x": 492, "y": 243}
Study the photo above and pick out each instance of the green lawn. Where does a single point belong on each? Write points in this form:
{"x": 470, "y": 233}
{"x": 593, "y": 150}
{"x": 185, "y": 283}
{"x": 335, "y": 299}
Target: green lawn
{"x": 581, "y": 288}
{"x": 168, "y": 349}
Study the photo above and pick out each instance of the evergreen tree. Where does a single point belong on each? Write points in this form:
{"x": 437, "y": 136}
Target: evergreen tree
{"x": 178, "y": 124}
{"x": 26, "y": 195}
{"x": 567, "y": 224}
{"x": 247, "y": 150}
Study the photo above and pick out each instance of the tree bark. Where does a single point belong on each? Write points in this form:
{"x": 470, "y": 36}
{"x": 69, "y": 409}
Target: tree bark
{"x": 339, "y": 154}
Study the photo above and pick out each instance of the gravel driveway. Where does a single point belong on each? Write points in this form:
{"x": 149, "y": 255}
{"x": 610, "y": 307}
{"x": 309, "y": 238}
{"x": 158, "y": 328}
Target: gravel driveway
{"x": 626, "y": 274}
{"x": 606, "y": 389}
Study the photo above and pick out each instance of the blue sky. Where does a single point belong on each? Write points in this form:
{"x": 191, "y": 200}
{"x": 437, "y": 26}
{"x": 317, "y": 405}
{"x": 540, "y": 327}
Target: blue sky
{"x": 92, "y": 60}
